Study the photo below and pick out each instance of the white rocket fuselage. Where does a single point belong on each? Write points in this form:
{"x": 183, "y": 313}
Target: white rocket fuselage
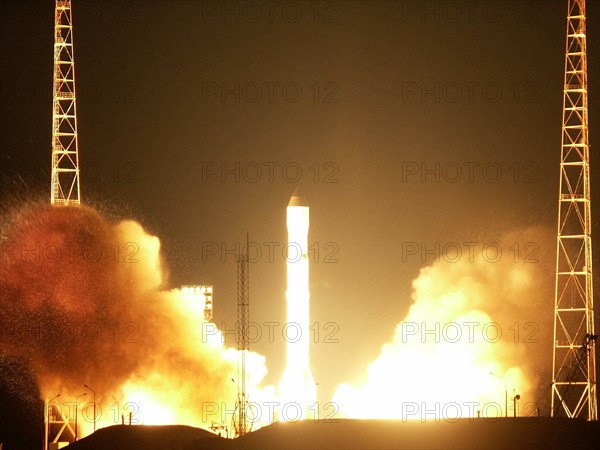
{"x": 297, "y": 385}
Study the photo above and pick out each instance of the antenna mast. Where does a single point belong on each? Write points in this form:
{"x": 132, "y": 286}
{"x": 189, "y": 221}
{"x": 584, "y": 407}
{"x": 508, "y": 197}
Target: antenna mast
{"x": 243, "y": 341}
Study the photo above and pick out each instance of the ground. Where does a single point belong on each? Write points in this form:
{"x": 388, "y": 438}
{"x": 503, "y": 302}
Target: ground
{"x": 523, "y": 433}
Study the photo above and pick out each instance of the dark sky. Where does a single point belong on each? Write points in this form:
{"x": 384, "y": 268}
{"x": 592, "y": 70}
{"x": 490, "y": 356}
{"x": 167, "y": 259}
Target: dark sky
{"x": 354, "y": 93}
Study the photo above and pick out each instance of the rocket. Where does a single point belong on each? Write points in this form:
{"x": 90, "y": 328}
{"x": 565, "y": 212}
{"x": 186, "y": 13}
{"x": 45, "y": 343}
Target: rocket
{"x": 297, "y": 388}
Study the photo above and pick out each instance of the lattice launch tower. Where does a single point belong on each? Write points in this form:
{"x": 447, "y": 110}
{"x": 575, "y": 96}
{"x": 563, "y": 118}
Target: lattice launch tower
{"x": 574, "y": 359}
{"x": 65, "y": 189}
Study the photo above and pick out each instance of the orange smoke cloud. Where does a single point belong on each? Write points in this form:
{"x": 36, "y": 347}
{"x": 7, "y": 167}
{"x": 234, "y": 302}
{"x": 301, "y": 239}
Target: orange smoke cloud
{"x": 476, "y": 329}
{"x": 83, "y": 299}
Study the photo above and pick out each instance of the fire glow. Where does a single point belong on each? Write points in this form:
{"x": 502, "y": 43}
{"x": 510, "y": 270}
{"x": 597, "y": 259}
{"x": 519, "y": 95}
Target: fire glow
{"x": 108, "y": 322}
{"x": 459, "y": 352}
{"x": 151, "y": 358}
{"x": 297, "y": 386}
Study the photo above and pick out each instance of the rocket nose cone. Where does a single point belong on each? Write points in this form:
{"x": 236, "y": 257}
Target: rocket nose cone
{"x": 297, "y": 199}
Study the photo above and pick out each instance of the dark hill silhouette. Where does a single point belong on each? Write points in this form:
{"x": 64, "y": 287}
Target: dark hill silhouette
{"x": 143, "y": 437}
{"x": 502, "y": 433}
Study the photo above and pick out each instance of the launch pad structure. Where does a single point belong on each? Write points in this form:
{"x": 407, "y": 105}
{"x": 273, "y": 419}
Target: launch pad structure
{"x": 241, "y": 425}
{"x": 200, "y": 294}
{"x": 574, "y": 359}
{"x": 58, "y": 427}
{"x": 65, "y": 186}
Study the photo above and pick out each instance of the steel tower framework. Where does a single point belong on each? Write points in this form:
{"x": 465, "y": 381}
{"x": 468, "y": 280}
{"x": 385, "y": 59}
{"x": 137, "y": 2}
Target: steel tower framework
{"x": 242, "y": 336}
{"x": 58, "y": 427}
{"x": 574, "y": 364}
{"x": 65, "y": 153}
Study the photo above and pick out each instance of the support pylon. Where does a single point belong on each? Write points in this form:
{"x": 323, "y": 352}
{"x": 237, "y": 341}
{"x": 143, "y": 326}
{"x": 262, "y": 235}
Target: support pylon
{"x": 574, "y": 359}
{"x": 243, "y": 339}
{"x": 65, "y": 188}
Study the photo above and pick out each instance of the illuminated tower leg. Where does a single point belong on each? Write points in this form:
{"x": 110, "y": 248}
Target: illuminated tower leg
{"x": 574, "y": 368}
{"x": 65, "y": 153}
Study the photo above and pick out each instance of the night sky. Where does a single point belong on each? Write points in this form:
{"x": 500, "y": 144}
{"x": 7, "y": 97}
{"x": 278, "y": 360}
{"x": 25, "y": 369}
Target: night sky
{"x": 360, "y": 96}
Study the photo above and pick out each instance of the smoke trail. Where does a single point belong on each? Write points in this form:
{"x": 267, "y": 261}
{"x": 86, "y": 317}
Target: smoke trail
{"x": 83, "y": 300}
{"x": 480, "y": 325}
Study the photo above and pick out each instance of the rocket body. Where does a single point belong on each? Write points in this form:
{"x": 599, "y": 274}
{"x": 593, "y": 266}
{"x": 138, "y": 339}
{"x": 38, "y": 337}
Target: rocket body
{"x": 297, "y": 388}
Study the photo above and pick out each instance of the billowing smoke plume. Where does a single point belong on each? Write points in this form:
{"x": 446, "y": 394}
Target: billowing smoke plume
{"x": 478, "y": 331}
{"x": 83, "y": 300}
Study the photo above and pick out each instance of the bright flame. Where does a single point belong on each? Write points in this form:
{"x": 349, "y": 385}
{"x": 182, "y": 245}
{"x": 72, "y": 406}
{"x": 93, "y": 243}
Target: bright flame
{"x": 148, "y": 351}
{"x": 146, "y": 408}
{"x": 297, "y": 390}
{"x": 458, "y": 352}
{"x": 180, "y": 369}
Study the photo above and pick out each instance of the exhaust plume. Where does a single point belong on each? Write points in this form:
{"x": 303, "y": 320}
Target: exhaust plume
{"x": 477, "y": 334}
{"x": 83, "y": 300}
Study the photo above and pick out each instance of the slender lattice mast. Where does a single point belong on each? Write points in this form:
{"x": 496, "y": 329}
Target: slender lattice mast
{"x": 65, "y": 152}
{"x": 242, "y": 337}
{"x": 574, "y": 364}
